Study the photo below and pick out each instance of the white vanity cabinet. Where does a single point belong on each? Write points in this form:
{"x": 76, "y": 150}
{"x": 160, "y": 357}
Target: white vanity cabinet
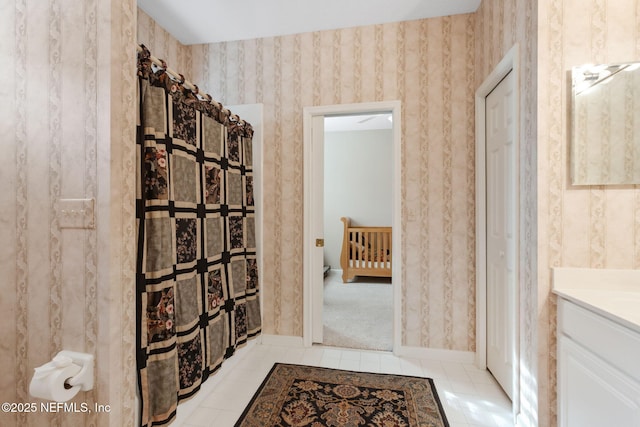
{"x": 598, "y": 369}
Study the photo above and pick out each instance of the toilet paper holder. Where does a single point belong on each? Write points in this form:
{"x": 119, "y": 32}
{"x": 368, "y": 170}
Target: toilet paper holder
{"x": 64, "y": 358}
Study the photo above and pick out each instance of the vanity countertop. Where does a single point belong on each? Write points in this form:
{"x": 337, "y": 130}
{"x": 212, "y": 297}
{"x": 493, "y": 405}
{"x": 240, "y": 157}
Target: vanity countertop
{"x": 614, "y": 294}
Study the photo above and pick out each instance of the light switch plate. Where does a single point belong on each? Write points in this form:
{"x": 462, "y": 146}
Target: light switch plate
{"x": 77, "y": 213}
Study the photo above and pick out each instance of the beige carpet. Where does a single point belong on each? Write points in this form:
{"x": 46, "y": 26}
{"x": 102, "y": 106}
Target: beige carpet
{"x": 358, "y": 314}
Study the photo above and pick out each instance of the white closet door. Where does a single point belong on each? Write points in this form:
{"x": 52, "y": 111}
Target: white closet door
{"x": 501, "y": 231}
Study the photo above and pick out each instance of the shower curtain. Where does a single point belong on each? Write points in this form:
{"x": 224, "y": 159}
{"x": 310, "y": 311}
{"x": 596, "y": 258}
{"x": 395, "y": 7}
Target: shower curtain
{"x": 197, "y": 276}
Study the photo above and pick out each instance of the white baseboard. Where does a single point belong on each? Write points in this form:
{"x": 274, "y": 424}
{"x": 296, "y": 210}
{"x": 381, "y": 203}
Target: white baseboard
{"x": 282, "y": 340}
{"x": 403, "y": 351}
{"x": 436, "y": 354}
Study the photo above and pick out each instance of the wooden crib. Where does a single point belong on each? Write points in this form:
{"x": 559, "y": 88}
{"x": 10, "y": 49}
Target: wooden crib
{"x": 366, "y": 251}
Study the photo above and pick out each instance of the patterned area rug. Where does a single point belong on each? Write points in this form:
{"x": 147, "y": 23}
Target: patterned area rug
{"x": 297, "y": 395}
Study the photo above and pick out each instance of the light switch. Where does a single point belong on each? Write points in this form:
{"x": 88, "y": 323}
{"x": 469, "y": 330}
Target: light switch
{"x": 77, "y": 213}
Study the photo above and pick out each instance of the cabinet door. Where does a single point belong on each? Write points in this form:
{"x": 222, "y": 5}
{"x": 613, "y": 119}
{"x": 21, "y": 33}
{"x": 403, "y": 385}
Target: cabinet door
{"x": 591, "y": 393}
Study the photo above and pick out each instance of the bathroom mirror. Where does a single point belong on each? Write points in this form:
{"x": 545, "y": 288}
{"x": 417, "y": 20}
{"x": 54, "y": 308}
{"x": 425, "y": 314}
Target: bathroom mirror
{"x": 605, "y": 147}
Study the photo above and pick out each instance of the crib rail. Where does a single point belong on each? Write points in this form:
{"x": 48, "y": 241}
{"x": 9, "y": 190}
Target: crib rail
{"x": 366, "y": 251}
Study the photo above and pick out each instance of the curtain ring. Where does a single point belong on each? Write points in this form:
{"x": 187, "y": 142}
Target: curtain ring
{"x": 195, "y": 90}
{"x": 182, "y": 79}
{"x": 209, "y": 97}
{"x": 164, "y": 64}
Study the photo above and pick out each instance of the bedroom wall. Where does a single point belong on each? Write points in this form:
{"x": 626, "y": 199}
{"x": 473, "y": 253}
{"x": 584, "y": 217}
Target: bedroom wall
{"x": 357, "y": 183}
{"x": 429, "y": 66}
{"x": 68, "y": 80}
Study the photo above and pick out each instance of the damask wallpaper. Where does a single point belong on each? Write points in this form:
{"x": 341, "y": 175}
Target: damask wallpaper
{"x": 67, "y": 288}
{"x": 163, "y": 45}
{"x": 561, "y": 225}
{"x": 592, "y": 226}
{"x": 55, "y": 61}
{"x": 500, "y": 25}
{"x": 434, "y": 67}
{"x": 564, "y": 225}
{"x": 429, "y": 66}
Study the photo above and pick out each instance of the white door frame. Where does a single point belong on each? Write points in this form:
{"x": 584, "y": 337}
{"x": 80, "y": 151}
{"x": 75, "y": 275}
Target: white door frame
{"x": 311, "y": 217}
{"x": 510, "y": 63}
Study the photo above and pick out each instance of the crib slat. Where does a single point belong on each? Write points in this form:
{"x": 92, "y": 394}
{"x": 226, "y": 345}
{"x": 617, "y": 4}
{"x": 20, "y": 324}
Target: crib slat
{"x": 367, "y": 254}
{"x": 385, "y": 247}
{"x": 367, "y": 251}
{"x": 375, "y": 256}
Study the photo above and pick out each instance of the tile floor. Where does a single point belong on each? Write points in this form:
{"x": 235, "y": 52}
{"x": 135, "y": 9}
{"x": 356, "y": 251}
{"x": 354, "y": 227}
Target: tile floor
{"x": 471, "y": 397}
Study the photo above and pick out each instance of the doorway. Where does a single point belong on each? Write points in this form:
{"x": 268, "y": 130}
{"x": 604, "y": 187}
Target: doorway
{"x": 358, "y": 178}
{"x": 497, "y": 209}
{"x": 314, "y": 212}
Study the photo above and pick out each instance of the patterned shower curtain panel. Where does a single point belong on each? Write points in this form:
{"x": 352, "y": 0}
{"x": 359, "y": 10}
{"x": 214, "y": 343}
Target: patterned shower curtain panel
{"x": 197, "y": 282}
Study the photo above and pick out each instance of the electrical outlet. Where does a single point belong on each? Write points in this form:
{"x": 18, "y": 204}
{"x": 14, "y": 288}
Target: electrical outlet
{"x": 77, "y": 213}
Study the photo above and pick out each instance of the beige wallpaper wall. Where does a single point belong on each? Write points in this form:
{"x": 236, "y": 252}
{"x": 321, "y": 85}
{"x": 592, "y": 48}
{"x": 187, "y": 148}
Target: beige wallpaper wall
{"x": 163, "y": 45}
{"x": 562, "y": 225}
{"x": 591, "y": 226}
{"x": 499, "y": 26}
{"x": 63, "y": 288}
{"x": 429, "y": 66}
{"x": 577, "y": 226}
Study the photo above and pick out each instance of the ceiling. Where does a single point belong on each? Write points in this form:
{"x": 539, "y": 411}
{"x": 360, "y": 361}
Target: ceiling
{"x": 357, "y": 122}
{"x": 212, "y": 21}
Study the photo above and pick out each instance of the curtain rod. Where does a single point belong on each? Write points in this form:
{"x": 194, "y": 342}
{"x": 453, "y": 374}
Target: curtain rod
{"x": 179, "y": 77}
